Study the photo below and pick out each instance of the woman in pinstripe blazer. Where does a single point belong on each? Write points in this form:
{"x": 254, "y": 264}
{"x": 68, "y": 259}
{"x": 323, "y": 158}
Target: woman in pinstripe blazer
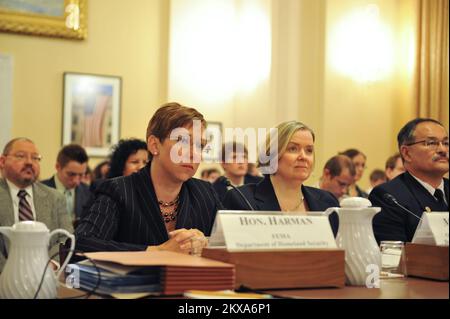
{"x": 161, "y": 207}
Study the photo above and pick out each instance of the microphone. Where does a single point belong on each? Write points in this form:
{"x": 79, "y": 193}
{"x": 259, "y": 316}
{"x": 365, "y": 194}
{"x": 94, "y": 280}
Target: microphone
{"x": 392, "y": 200}
{"x": 228, "y": 183}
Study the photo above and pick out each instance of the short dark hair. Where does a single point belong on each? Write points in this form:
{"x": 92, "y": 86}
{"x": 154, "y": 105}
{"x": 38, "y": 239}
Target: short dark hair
{"x": 406, "y": 134}
{"x": 171, "y": 116}
{"x": 10, "y": 144}
{"x": 234, "y": 147}
{"x": 377, "y": 174}
{"x": 352, "y": 153}
{"x": 337, "y": 163}
{"x": 72, "y": 152}
{"x": 391, "y": 161}
{"x": 120, "y": 153}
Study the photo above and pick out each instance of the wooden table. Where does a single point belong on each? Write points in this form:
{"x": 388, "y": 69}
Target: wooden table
{"x": 410, "y": 288}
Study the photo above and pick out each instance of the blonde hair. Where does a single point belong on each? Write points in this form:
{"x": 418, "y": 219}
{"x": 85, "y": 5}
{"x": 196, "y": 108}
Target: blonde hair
{"x": 285, "y": 132}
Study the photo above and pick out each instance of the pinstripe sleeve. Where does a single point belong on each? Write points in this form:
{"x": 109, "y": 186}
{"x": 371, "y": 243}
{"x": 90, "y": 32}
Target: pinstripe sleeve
{"x": 99, "y": 225}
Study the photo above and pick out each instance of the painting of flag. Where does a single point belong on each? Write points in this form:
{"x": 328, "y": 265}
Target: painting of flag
{"x": 91, "y": 115}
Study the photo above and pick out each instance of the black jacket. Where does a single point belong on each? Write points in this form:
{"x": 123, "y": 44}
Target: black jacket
{"x": 393, "y": 223}
{"x": 262, "y": 197}
{"x": 126, "y": 216}
{"x": 221, "y": 188}
{"x": 82, "y": 195}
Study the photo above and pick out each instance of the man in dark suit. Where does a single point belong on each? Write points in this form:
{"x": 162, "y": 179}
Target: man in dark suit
{"x": 235, "y": 165}
{"x": 423, "y": 145}
{"x": 71, "y": 165}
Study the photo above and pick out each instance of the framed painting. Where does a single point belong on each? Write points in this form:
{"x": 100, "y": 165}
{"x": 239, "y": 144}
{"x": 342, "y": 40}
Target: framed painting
{"x": 91, "y": 113}
{"x": 213, "y": 149}
{"x": 54, "y": 18}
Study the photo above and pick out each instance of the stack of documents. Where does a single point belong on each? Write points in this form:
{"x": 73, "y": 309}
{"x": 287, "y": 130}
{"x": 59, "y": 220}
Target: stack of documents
{"x": 109, "y": 280}
{"x": 160, "y": 273}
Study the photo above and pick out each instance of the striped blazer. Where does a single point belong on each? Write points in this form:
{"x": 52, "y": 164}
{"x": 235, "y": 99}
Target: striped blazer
{"x": 125, "y": 214}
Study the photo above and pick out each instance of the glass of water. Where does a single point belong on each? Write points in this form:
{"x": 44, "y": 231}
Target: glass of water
{"x": 393, "y": 262}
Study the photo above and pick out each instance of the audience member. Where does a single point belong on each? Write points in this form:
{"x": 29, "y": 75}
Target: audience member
{"x": 235, "y": 166}
{"x": 359, "y": 162}
{"x": 394, "y": 166}
{"x": 88, "y": 176}
{"x": 213, "y": 175}
{"x": 377, "y": 177}
{"x": 101, "y": 170}
{"x": 22, "y": 197}
{"x": 338, "y": 175}
{"x": 210, "y": 175}
{"x": 71, "y": 165}
{"x": 127, "y": 157}
{"x": 253, "y": 170}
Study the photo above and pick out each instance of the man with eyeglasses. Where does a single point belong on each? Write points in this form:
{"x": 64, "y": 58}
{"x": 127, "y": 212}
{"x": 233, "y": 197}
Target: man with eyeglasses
{"x": 71, "y": 165}
{"x": 338, "y": 174}
{"x": 423, "y": 146}
{"x": 22, "y": 197}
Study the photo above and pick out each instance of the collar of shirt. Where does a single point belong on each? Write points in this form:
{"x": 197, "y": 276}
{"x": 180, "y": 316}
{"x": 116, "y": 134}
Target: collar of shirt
{"x": 14, "y": 190}
{"x": 430, "y": 188}
{"x": 61, "y": 188}
{"x": 230, "y": 187}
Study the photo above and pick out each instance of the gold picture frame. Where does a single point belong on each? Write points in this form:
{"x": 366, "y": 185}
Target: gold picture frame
{"x": 52, "y": 18}
{"x": 91, "y": 111}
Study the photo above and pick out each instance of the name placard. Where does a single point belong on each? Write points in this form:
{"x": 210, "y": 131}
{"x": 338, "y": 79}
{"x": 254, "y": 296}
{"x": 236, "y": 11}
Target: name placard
{"x": 244, "y": 231}
{"x": 432, "y": 229}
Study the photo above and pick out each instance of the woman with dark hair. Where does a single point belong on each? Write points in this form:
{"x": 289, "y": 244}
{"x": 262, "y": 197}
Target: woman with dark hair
{"x": 161, "y": 207}
{"x": 359, "y": 162}
{"x": 128, "y": 157}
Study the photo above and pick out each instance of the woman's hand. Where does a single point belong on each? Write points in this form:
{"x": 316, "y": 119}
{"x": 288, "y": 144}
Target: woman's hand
{"x": 186, "y": 241}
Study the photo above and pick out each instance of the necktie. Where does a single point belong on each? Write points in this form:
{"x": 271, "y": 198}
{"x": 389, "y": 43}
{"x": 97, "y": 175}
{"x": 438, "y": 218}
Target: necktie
{"x": 25, "y": 212}
{"x": 440, "y": 198}
{"x": 69, "y": 201}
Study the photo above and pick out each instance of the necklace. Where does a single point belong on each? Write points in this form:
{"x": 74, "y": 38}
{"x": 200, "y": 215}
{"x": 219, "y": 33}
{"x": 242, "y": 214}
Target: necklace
{"x": 169, "y": 204}
{"x": 297, "y": 206}
{"x": 169, "y": 215}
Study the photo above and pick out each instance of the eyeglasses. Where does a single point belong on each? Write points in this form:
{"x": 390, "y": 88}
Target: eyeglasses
{"x": 431, "y": 143}
{"x": 22, "y": 157}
